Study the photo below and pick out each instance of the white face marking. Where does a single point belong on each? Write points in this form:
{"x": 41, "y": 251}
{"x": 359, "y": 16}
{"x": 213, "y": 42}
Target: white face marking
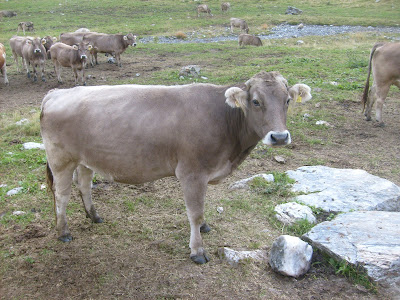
{"x": 270, "y": 140}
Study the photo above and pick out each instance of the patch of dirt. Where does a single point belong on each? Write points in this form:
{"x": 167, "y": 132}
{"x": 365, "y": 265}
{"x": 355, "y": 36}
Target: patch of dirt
{"x": 118, "y": 260}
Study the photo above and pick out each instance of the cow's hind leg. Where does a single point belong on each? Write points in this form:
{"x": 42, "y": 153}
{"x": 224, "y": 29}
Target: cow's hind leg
{"x": 61, "y": 186}
{"x": 85, "y": 176}
{"x": 381, "y": 93}
{"x": 194, "y": 190}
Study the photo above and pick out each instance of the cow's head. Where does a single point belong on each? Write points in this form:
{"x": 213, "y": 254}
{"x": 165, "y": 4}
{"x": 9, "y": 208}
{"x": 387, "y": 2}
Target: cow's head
{"x": 82, "y": 50}
{"x": 36, "y": 44}
{"x": 130, "y": 39}
{"x": 264, "y": 102}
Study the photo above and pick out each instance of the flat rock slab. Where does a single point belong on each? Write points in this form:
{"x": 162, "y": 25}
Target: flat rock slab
{"x": 344, "y": 190}
{"x": 370, "y": 239}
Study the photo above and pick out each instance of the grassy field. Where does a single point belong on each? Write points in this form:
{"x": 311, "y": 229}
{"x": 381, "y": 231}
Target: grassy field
{"x": 146, "y": 228}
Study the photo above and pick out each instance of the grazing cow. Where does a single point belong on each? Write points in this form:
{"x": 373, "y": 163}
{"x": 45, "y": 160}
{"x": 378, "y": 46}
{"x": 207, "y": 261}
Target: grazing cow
{"x": 34, "y": 53}
{"x": 249, "y": 39}
{"x": 203, "y": 8}
{"x": 74, "y": 57}
{"x": 384, "y": 61}
{"x": 235, "y": 22}
{"x": 300, "y": 93}
{"x": 28, "y": 26}
{"x": 225, "y": 6}
{"x": 16, "y": 44}
{"x": 7, "y": 13}
{"x": 203, "y": 132}
{"x": 49, "y": 41}
{"x": 115, "y": 44}
{"x": 3, "y": 63}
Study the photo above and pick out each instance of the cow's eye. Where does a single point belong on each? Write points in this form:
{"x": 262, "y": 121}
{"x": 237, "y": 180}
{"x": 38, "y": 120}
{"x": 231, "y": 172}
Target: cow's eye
{"x": 256, "y": 102}
{"x": 288, "y": 100}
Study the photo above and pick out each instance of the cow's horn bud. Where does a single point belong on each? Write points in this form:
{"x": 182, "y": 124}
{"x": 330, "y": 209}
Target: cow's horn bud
{"x": 75, "y": 47}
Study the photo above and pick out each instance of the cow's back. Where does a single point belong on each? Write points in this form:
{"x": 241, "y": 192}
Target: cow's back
{"x": 116, "y": 129}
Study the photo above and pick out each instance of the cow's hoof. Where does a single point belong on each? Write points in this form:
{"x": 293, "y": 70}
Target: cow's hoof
{"x": 200, "y": 259}
{"x": 380, "y": 124}
{"x": 65, "y": 238}
{"x": 204, "y": 228}
{"x": 44, "y": 79}
{"x": 98, "y": 220}
{"x": 367, "y": 118}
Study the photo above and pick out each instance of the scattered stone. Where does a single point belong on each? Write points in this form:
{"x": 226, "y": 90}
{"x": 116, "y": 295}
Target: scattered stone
{"x": 334, "y": 83}
{"x": 291, "y": 10}
{"x": 299, "y": 42}
{"x": 191, "y": 71}
{"x": 3, "y": 185}
{"x": 317, "y": 105}
{"x": 367, "y": 239}
{"x": 290, "y": 256}
{"x": 325, "y": 123}
{"x": 233, "y": 257}
{"x": 343, "y": 190}
{"x": 32, "y": 145}
{"x": 137, "y": 74}
{"x": 280, "y": 159}
{"x": 14, "y": 191}
{"x": 22, "y": 122}
{"x": 306, "y": 116}
{"x": 300, "y": 26}
{"x": 43, "y": 186}
{"x": 111, "y": 60}
{"x": 204, "y": 77}
{"x": 244, "y": 183}
{"x": 290, "y": 213}
{"x": 220, "y": 209}
{"x": 18, "y": 213}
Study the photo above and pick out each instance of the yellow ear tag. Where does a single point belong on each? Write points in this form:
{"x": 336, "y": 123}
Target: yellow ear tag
{"x": 298, "y": 100}
{"x": 237, "y": 103}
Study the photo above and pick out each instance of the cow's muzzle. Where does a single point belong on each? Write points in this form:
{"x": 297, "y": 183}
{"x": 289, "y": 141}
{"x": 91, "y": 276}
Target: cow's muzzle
{"x": 37, "y": 51}
{"x": 83, "y": 57}
{"x": 277, "y": 138}
{"x": 134, "y": 44}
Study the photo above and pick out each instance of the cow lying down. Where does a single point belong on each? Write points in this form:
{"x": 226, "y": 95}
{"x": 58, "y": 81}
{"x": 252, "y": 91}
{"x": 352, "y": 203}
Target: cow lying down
{"x": 133, "y": 134}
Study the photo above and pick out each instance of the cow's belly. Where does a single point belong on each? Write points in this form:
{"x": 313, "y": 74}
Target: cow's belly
{"x": 220, "y": 173}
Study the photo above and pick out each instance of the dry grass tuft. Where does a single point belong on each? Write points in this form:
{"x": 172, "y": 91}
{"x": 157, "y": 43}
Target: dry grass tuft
{"x": 181, "y": 35}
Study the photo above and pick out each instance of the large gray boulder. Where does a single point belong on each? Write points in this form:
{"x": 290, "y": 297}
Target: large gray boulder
{"x": 368, "y": 239}
{"x": 343, "y": 190}
{"x": 290, "y": 256}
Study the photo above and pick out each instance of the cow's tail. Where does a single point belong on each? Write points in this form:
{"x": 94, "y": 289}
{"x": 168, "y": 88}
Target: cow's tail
{"x": 366, "y": 87}
{"x": 50, "y": 181}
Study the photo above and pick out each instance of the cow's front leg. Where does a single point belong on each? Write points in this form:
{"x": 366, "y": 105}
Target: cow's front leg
{"x": 194, "y": 191}
{"x": 85, "y": 176}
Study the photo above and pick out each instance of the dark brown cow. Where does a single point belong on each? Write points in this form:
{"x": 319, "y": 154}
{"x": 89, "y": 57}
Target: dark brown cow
{"x": 3, "y": 68}
{"x": 384, "y": 61}
{"x": 34, "y": 53}
{"x": 115, "y": 44}
{"x": 48, "y": 42}
{"x": 16, "y": 44}
{"x": 74, "y": 57}
{"x": 225, "y": 6}
{"x": 201, "y": 134}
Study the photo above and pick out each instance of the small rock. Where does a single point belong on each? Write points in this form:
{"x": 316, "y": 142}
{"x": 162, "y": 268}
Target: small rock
{"x": 220, "y": 209}
{"x": 14, "y": 191}
{"x": 243, "y": 184}
{"x": 204, "y": 77}
{"x": 334, "y": 83}
{"x": 191, "y": 71}
{"x": 321, "y": 122}
{"x": 32, "y": 145}
{"x": 233, "y": 257}
{"x": 280, "y": 159}
{"x": 137, "y": 74}
{"x": 317, "y": 105}
{"x": 291, "y": 212}
{"x": 290, "y": 256}
{"x": 43, "y": 186}
{"x": 22, "y": 122}
{"x": 300, "y": 26}
{"x": 300, "y": 42}
{"x": 291, "y": 10}
{"x": 18, "y": 213}
{"x": 3, "y": 185}
{"x": 306, "y": 116}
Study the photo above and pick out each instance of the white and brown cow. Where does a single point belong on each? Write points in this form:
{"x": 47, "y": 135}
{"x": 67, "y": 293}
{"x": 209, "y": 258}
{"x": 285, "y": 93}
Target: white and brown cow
{"x": 34, "y": 53}
{"x": 242, "y": 24}
{"x": 3, "y": 68}
{"x": 28, "y": 26}
{"x": 74, "y": 57}
{"x": 203, "y": 132}
{"x": 16, "y": 44}
{"x": 114, "y": 44}
{"x": 384, "y": 61}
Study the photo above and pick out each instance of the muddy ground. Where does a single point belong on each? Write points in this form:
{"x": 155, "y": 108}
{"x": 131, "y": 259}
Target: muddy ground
{"x": 123, "y": 259}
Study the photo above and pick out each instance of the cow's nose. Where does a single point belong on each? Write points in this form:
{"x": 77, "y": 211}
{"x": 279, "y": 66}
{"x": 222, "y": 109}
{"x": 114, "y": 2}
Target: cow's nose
{"x": 83, "y": 56}
{"x": 134, "y": 44}
{"x": 280, "y": 138}
{"x": 38, "y": 50}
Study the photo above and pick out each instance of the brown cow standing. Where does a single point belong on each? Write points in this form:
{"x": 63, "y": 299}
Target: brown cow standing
{"x": 384, "y": 61}
{"x": 115, "y": 44}
{"x": 74, "y": 57}
{"x": 16, "y": 44}
{"x": 34, "y": 53}
{"x": 249, "y": 39}
{"x": 225, "y": 6}
{"x": 3, "y": 63}
{"x": 49, "y": 41}
{"x": 203, "y": 132}
{"x": 203, "y": 8}
{"x": 28, "y": 26}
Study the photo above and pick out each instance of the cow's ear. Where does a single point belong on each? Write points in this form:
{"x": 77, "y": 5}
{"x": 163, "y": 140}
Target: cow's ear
{"x": 125, "y": 38}
{"x": 75, "y": 47}
{"x": 236, "y": 97}
{"x": 300, "y": 93}
{"x": 90, "y": 47}
{"x": 54, "y": 39}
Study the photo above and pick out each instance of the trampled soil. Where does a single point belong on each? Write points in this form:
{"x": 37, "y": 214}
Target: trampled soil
{"x": 117, "y": 260}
